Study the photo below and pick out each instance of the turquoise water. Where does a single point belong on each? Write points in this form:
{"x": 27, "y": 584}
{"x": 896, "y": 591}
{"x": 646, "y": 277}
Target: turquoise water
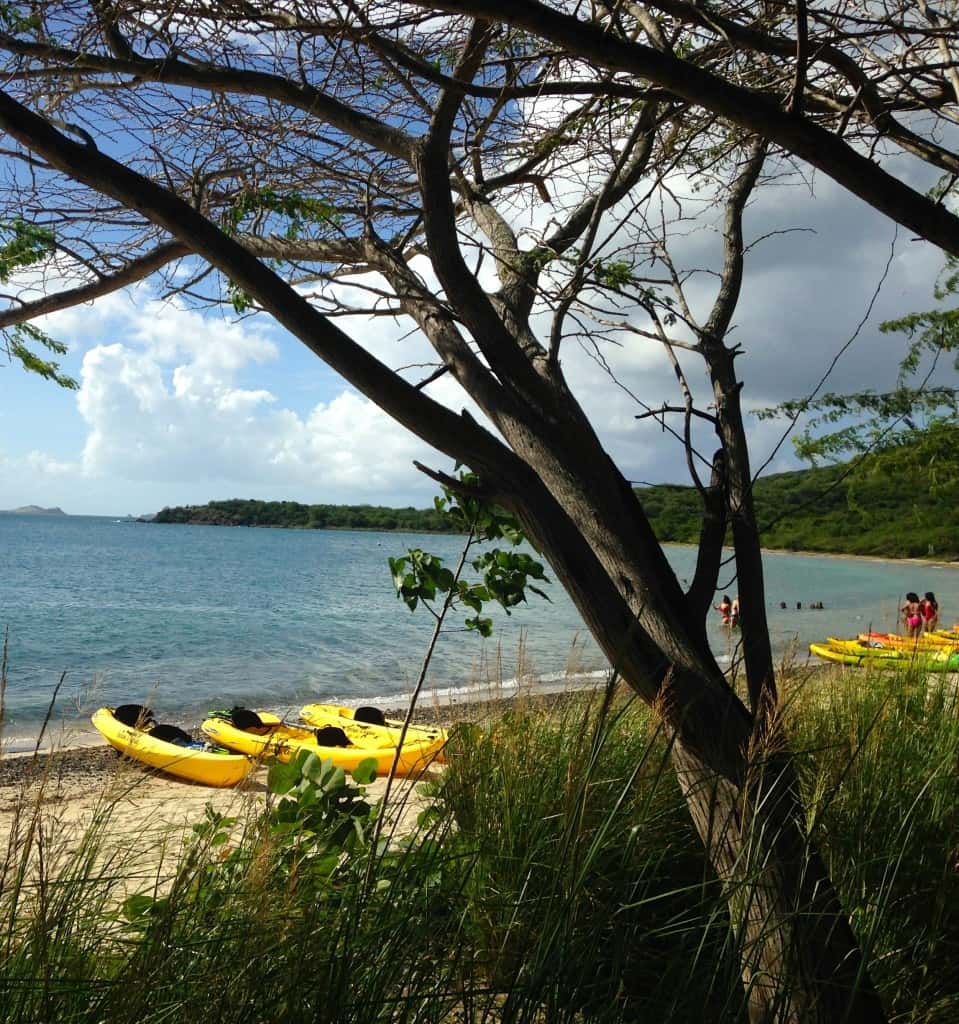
{"x": 192, "y": 617}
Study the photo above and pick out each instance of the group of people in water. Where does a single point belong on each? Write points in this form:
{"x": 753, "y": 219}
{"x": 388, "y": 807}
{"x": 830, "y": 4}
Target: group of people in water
{"x": 729, "y": 609}
{"x": 920, "y": 614}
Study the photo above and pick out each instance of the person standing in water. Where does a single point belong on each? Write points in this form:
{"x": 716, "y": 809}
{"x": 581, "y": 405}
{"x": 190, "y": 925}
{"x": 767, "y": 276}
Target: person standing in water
{"x": 912, "y": 614}
{"x": 929, "y": 608}
{"x": 734, "y": 612}
{"x": 725, "y": 608}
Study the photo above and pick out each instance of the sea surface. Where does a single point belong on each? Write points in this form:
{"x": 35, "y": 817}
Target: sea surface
{"x": 197, "y": 617}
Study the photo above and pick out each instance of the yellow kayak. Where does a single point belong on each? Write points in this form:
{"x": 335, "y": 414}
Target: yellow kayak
{"x": 367, "y": 726}
{"x": 198, "y": 765}
{"x": 871, "y": 649}
{"x": 273, "y": 738}
{"x": 926, "y": 655}
{"x": 851, "y": 652}
{"x": 925, "y": 642}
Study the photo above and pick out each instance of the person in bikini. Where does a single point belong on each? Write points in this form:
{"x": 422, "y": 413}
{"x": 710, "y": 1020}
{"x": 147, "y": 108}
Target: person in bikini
{"x": 929, "y": 609}
{"x": 912, "y": 614}
{"x": 725, "y": 608}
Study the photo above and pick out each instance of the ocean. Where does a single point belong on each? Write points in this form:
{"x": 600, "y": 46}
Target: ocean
{"x": 190, "y": 618}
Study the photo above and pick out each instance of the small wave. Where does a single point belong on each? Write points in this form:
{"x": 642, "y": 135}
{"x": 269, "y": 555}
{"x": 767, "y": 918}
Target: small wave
{"x": 18, "y": 744}
{"x": 66, "y": 737}
{"x": 549, "y": 682}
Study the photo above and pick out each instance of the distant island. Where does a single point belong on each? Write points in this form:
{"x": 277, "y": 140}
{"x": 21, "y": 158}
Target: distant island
{"x": 912, "y": 514}
{"x": 32, "y": 510}
{"x": 293, "y": 515}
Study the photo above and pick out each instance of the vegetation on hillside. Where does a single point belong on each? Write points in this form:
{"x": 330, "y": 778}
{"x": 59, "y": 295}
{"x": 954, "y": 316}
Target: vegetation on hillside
{"x": 902, "y": 504}
{"x": 292, "y": 514}
{"x": 901, "y": 508}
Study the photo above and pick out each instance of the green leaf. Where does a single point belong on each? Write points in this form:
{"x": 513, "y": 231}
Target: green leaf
{"x": 365, "y": 772}
{"x": 281, "y": 778}
{"x": 334, "y": 778}
{"x": 483, "y": 626}
{"x": 139, "y": 906}
{"x": 312, "y": 767}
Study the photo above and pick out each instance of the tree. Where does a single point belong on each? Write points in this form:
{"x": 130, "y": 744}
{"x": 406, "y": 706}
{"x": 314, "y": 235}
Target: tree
{"x": 909, "y": 431}
{"x": 282, "y": 147}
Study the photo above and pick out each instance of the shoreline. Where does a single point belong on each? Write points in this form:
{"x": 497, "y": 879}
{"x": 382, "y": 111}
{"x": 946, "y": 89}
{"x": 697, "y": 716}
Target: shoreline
{"x": 435, "y": 705}
{"x": 933, "y": 562}
{"x": 64, "y": 759}
{"x": 929, "y": 563}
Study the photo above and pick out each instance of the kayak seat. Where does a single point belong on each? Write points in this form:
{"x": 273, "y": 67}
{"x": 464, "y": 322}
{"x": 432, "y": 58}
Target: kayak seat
{"x": 331, "y": 736}
{"x": 136, "y": 716}
{"x": 244, "y": 718}
{"x": 171, "y": 734}
{"x": 370, "y": 715}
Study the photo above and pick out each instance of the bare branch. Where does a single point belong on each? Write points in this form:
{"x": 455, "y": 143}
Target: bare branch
{"x": 751, "y": 110}
{"x": 135, "y": 270}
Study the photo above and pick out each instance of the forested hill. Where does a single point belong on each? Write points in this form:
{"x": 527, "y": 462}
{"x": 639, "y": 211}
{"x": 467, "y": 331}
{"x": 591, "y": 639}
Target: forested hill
{"x": 911, "y": 512}
{"x": 248, "y": 512}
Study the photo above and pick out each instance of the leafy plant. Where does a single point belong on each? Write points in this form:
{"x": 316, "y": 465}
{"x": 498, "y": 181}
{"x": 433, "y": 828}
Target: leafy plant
{"x": 25, "y": 244}
{"x": 321, "y": 818}
{"x": 505, "y": 576}
{"x": 559, "y": 880}
{"x": 296, "y": 209}
{"x": 870, "y": 422}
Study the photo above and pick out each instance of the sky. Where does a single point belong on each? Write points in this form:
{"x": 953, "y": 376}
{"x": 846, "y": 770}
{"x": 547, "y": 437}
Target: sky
{"x": 182, "y": 406}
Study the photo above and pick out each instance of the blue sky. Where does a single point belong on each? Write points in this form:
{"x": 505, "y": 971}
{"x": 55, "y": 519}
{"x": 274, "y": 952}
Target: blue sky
{"x": 184, "y": 406}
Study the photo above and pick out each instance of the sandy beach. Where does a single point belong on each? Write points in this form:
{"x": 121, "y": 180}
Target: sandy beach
{"x": 142, "y": 818}
{"x": 145, "y": 815}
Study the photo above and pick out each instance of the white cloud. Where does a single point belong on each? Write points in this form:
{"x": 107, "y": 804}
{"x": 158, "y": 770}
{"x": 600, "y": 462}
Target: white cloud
{"x": 46, "y": 466}
{"x": 167, "y": 411}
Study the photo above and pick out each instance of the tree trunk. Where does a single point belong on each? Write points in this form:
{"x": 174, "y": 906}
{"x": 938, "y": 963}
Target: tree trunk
{"x": 800, "y": 959}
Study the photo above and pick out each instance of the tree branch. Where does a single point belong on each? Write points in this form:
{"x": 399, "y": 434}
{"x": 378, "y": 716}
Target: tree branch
{"x": 753, "y": 111}
{"x": 731, "y": 278}
{"x": 699, "y": 597}
{"x": 135, "y": 270}
{"x": 458, "y": 437}
{"x": 172, "y": 71}
{"x": 495, "y": 341}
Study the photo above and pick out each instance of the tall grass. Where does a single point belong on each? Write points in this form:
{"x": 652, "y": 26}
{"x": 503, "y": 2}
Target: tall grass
{"x": 881, "y": 774}
{"x": 554, "y": 876}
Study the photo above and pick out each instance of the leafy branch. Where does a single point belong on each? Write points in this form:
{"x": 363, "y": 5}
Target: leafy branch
{"x": 883, "y": 421}
{"x": 505, "y": 575}
{"x": 25, "y": 245}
